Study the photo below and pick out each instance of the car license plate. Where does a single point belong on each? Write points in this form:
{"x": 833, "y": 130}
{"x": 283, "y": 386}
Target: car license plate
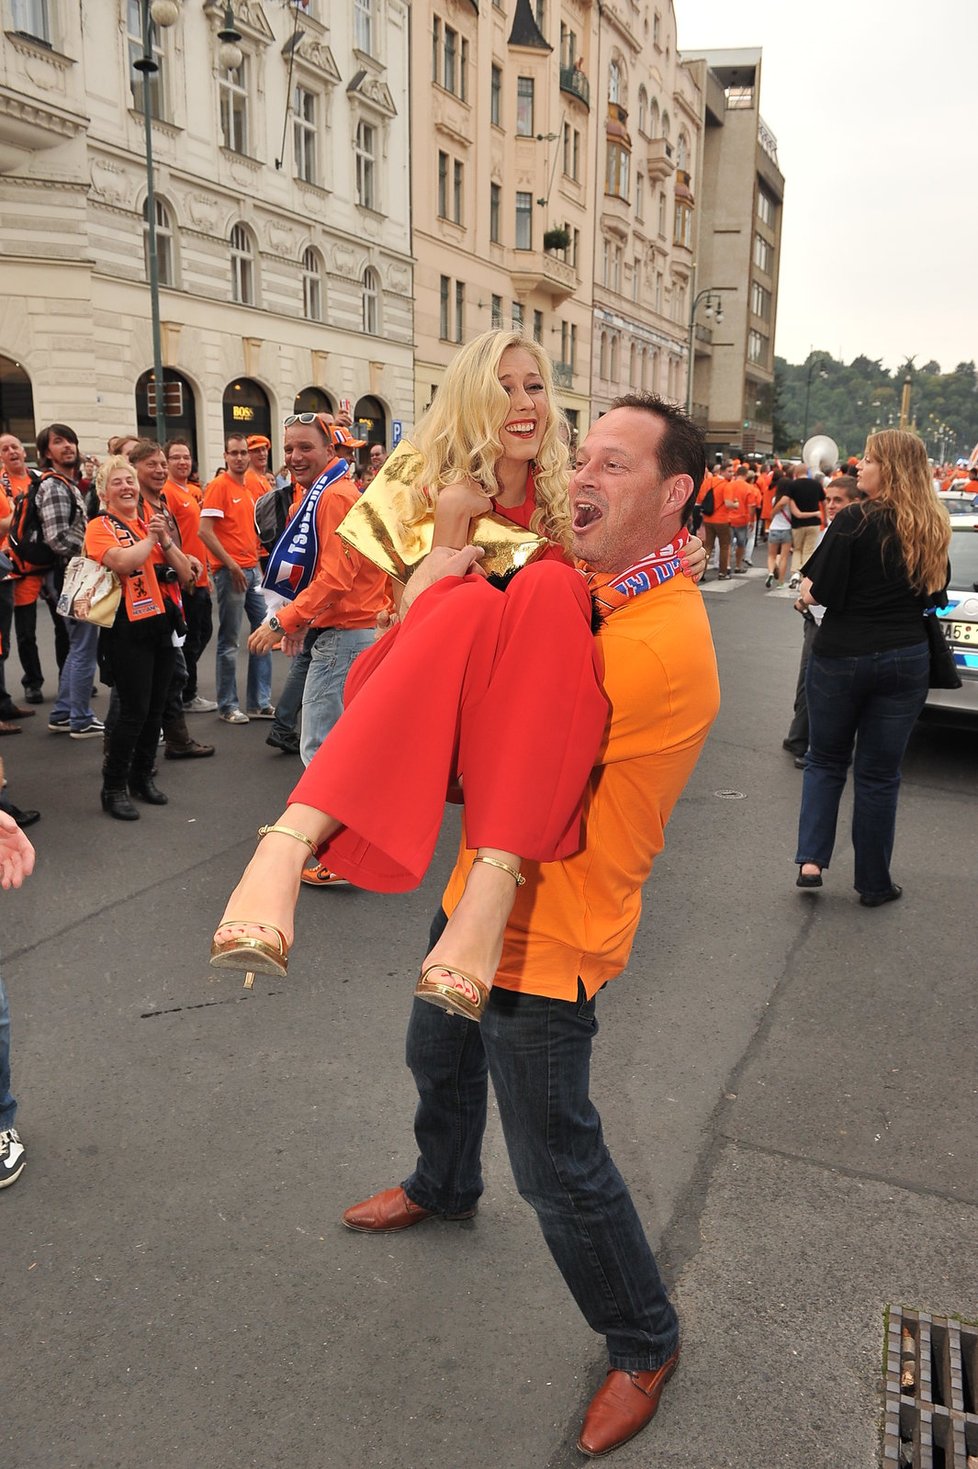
{"x": 960, "y": 632}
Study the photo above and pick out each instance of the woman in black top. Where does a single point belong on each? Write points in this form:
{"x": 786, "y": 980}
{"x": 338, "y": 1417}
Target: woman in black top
{"x": 881, "y": 564}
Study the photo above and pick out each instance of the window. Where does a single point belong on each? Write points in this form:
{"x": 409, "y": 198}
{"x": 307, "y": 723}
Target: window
{"x": 766, "y": 208}
{"x": 683, "y": 226}
{"x": 495, "y": 201}
{"x": 614, "y": 83}
{"x": 524, "y": 221}
{"x": 234, "y": 108}
{"x": 568, "y": 345}
{"x": 496, "y": 313}
{"x": 572, "y": 151}
{"x": 540, "y": 13}
{"x": 757, "y": 348}
{"x": 444, "y": 307}
{"x": 538, "y": 327}
{"x": 603, "y": 356}
{"x": 616, "y": 177}
{"x": 682, "y": 152}
{"x": 459, "y": 311}
{"x": 760, "y": 301}
{"x": 363, "y": 25}
{"x": 450, "y": 74}
{"x": 495, "y": 96}
{"x": 763, "y": 255}
{"x": 524, "y": 107}
{"x": 657, "y": 29}
{"x": 304, "y": 134}
{"x": 636, "y": 278}
{"x": 517, "y": 316}
{"x": 662, "y": 212}
{"x": 164, "y": 242}
{"x": 36, "y": 14}
{"x": 365, "y": 152}
{"x": 371, "y": 302}
{"x": 643, "y": 110}
{"x": 30, "y": 18}
{"x": 568, "y": 46}
{"x": 611, "y": 265}
{"x": 456, "y": 191}
{"x": 436, "y": 44}
{"x": 575, "y": 247}
{"x": 613, "y": 364}
{"x": 312, "y": 286}
{"x": 639, "y": 195}
{"x": 242, "y": 267}
{"x": 654, "y": 119}
{"x": 463, "y": 71}
{"x": 658, "y": 290}
{"x": 442, "y": 185}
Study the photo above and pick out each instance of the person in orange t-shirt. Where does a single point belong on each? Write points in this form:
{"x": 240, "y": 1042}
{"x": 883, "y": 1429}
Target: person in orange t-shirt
{"x": 742, "y": 500}
{"x": 257, "y": 477}
{"x": 183, "y": 499}
{"x": 228, "y": 530}
{"x": 717, "y": 524}
{"x": 576, "y": 914}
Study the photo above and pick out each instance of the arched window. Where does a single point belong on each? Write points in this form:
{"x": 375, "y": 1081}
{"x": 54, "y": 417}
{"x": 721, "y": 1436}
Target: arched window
{"x": 654, "y": 119}
{"x": 313, "y": 400}
{"x": 16, "y": 403}
{"x": 603, "y": 358}
{"x": 682, "y": 152}
{"x": 179, "y": 407}
{"x": 633, "y": 380}
{"x": 165, "y": 272}
{"x": 242, "y": 266}
{"x": 312, "y": 285}
{"x": 246, "y": 408}
{"x": 370, "y": 422}
{"x": 613, "y": 365}
{"x": 643, "y": 110}
{"x": 615, "y": 83}
{"x": 666, "y": 126}
{"x": 371, "y": 302}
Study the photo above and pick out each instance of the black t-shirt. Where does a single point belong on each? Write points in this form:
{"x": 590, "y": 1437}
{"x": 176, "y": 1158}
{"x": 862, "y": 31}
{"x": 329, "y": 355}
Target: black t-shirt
{"x": 859, "y": 576}
{"x": 808, "y": 496}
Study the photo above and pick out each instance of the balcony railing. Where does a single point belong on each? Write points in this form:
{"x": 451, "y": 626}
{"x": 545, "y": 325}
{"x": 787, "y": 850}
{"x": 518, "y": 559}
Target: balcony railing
{"x": 573, "y": 80}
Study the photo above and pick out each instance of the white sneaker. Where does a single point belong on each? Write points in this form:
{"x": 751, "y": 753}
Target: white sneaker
{"x": 267, "y": 711}
{"x": 235, "y": 716}
{"x": 197, "y": 705}
{"x": 13, "y": 1157}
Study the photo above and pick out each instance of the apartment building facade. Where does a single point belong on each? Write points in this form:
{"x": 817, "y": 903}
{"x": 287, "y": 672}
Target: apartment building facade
{"x": 282, "y": 216}
{"x": 738, "y": 255}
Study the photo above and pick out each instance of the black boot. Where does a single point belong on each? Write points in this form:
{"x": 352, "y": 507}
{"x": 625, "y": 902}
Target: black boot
{"x": 118, "y": 804}
{"x": 145, "y": 789}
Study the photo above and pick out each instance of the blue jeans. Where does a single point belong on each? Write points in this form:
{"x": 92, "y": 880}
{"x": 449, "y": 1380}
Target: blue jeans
{"x": 74, "y": 700}
{"x": 538, "y": 1053}
{"x": 873, "y": 702}
{"x": 289, "y": 702}
{"x": 230, "y": 606}
{"x": 8, "y": 1107}
{"x": 330, "y": 660}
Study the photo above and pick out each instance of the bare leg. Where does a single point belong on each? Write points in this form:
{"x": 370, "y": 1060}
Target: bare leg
{"x": 266, "y": 896}
{"x": 471, "y": 946}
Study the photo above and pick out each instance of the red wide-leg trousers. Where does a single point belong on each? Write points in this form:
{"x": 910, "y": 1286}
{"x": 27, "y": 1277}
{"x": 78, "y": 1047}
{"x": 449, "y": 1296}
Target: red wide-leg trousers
{"x": 497, "y": 690}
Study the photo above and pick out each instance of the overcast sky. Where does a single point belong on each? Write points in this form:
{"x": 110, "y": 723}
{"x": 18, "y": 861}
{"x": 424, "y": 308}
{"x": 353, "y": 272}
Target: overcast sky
{"x": 874, "y": 104}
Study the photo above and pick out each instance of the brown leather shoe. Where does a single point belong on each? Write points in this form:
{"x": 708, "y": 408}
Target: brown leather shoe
{"x": 622, "y": 1406}
{"x": 387, "y": 1212}
{"x": 7, "y": 728}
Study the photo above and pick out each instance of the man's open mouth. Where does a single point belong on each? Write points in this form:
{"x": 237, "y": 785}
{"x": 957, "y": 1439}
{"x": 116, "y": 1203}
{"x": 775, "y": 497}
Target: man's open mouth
{"x": 585, "y": 514}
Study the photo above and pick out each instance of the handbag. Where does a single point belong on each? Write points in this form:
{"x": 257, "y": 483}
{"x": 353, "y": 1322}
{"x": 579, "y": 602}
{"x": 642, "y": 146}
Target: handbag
{"x": 91, "y": 592}
{"x": 373, "y": 526}
{"x": 943, "y": 670}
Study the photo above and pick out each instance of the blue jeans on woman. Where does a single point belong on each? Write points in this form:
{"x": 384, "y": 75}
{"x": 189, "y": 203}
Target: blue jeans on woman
{"x": 872, "y": 702}
{"x": 538, "y": 1053}
{"x": 74, "y": 700}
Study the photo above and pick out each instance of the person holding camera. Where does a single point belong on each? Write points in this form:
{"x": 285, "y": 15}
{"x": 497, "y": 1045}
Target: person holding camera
{"x": 138, "y": 649}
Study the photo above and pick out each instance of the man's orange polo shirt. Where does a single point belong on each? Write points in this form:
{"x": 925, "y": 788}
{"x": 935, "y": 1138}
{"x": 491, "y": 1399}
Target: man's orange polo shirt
{"x": 231, "y": 510}
{"x": 577, "y": 918}
{"x": 719, "y": 485}
{"x": 346, "y": 590}
{"x": 184, "y": 505}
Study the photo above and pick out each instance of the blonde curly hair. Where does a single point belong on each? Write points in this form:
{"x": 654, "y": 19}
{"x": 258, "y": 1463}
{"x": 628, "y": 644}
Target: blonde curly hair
{"x": 458, "y": 437}
{"x": 919, "y": 522}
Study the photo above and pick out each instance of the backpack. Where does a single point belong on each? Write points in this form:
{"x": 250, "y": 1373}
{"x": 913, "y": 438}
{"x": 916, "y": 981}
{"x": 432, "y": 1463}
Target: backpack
{"x": 708, "y": 503}
{"x": 272, "y": 514}
{"x": 25, "y": 535}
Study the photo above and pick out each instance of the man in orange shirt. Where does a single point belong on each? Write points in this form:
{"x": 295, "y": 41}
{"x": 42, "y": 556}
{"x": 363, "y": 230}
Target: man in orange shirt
{"x": 716, "y": 525}
{"x": 742, "y": 500}
{"x": 335, "y": 615}
{"x": 16, "y": 479}
{"x": 572, "y": 927}
{"x": 228, "y": 530}
{"x": 257, "y": 478}
{"x": 183, "y": 500}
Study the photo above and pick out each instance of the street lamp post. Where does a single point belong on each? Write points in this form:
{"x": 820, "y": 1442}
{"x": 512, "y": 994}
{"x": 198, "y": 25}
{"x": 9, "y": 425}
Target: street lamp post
{"x": 814, "y": 359}
{"x": 714, "y": 307}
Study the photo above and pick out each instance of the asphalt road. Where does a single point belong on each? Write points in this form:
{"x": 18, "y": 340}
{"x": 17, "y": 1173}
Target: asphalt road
{"x": 787, "y": 1082}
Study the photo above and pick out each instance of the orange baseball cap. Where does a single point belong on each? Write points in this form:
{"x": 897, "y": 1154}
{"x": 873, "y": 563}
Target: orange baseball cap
{"x": 343, "y": 439}
{"x": 258, "y": 441}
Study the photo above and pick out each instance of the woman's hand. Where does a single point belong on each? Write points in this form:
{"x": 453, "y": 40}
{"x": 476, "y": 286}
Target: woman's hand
{"x": 455, "y": 509}
{"x": 694, "y": 559}
{"x": 157, "y": 527}
{"x": 16, "y": 853}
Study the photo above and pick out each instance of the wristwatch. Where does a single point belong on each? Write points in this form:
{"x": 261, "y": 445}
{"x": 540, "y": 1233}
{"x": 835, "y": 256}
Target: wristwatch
{"x": 274, "y": 624}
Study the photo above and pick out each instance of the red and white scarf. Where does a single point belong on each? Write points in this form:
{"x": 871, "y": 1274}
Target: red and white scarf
{"x": 614, "y": 590}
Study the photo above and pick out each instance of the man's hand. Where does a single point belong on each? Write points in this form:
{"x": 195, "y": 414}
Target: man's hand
{"x": 16, "y": 853}
{"x": 196, "y": 566}
{"x": 440, "y": 562}
{"x": 239, "y": 582}
{"x": 292, "y": 642}
{"x": 264, "y": 639}
{"x": 694, "y": 559}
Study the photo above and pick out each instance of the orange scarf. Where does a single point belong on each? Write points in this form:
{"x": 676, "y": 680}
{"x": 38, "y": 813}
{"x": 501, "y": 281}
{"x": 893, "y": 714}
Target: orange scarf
{"x": 142, "y": 590}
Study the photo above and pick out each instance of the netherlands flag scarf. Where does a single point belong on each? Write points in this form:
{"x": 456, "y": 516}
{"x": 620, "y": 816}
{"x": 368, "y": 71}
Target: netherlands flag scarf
{"x": 292, "y": 562}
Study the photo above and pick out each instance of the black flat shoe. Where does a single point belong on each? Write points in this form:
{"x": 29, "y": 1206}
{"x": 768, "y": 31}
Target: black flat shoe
{"x": 146, "y": 789}
{"x": 876, "y": 900}
{"x": 808, "y": 879}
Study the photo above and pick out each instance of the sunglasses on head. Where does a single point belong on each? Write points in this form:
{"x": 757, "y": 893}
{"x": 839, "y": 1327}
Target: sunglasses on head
{"x": 304, "y": 418}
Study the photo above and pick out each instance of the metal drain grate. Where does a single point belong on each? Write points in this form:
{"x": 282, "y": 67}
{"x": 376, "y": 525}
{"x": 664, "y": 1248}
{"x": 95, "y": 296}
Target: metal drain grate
{"x": 931, "y": 1392}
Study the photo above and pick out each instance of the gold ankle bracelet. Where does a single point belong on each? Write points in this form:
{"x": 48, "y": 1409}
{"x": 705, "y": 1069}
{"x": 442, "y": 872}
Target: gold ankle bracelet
{"x": 517, "y": 877}
{"x": 289, "y": 831}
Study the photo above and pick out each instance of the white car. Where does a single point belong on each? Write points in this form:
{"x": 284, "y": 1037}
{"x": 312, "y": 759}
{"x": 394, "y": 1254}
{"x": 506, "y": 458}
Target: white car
{"x": 959, "y": 619}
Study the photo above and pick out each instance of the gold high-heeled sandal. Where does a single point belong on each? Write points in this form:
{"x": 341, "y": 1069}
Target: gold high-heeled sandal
{"x": 256, "y": 955}
{"x": 452, "y": 989}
